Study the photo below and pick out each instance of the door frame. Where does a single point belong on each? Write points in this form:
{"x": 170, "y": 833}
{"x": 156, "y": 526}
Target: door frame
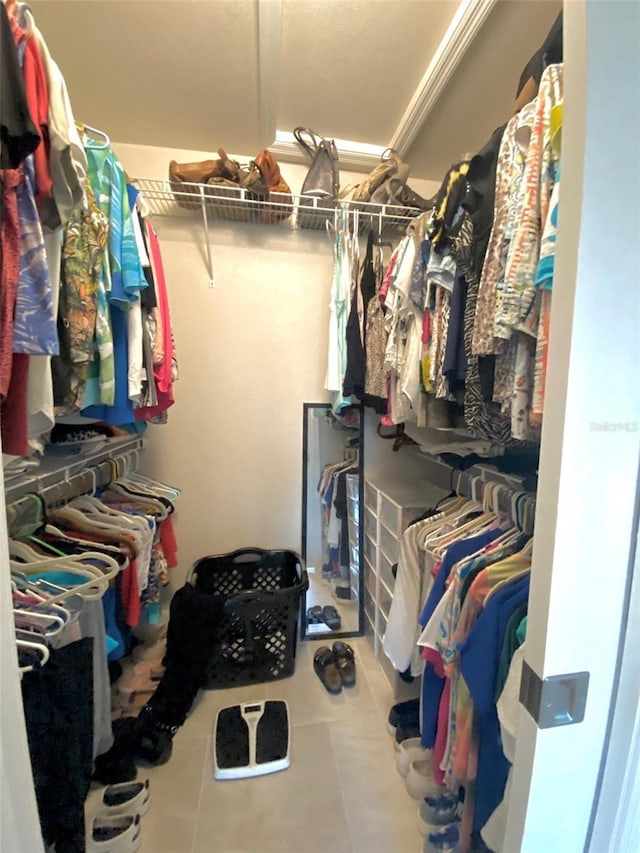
{"x": 590, "y": 451}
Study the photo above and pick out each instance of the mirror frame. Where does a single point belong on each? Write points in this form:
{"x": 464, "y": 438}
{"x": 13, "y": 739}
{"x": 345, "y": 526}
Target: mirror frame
{"x": 306, "y": 409}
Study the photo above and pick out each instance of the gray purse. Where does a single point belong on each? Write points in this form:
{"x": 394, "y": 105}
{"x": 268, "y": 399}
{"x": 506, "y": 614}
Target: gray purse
{"x": 322, "y": 180}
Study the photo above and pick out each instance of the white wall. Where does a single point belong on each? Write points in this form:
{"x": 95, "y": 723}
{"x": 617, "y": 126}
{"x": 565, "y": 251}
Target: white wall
{"x": 251, "y": 351}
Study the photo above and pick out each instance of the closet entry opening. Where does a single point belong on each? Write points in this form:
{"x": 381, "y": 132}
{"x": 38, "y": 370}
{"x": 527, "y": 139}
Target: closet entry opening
{"x": 332, "y": 478}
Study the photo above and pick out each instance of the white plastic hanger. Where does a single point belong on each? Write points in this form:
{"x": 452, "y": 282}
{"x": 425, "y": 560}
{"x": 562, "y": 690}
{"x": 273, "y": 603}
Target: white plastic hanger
{"x": 119, "y": 492}
{"x": 156, "y": 485}
{"x": 96, "y": 577}
{"x": 39, "y": 647}
{"x": 44, "y": 621}
{"x": 85, "y": 129}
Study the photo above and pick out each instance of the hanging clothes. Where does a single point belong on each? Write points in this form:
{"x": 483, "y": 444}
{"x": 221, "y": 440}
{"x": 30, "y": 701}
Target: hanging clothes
{"x": 375, "y": 386}
{"x": 344, "y": 270}
{"x": 364, "y": 291}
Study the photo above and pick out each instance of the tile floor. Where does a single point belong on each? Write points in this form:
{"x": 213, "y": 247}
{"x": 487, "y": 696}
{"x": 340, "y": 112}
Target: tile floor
{"x": 320, "y": 593}
{"x": 341, "y": 794}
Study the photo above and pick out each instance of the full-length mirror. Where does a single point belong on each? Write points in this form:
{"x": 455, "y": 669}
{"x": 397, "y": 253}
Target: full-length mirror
{"x": 331, "y": 498}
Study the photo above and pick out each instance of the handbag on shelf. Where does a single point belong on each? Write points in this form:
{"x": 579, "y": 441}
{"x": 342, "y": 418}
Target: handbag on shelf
{"x": 372, "y": 189}
{"x": 322, "y": 181}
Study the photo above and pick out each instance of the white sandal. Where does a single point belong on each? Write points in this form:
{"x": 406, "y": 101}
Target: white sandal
{"x": 410, "y": 750}
{"x": 125, "y": 798}
{"x": 119, "y": 834}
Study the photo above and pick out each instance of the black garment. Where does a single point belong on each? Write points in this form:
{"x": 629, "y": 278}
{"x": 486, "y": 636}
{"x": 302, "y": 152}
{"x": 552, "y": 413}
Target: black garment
{"x": 479, "y": 204}
{"x": 58, "y": 708}
{"x": 454, "y": 366}
{"x": 552, "y": 47}
{"x": 549, "y": 53}
{"x": 423, "y": 516}
{"x": 454, "y": 190}
{"x": 19, "y": 136}
{"x": 194, "y": 620}
{"x": 61, "y": 369}
{"x": 148, "y": 297}
{"x": 354, "y": 376}
{"x": 509, "y": 646}
{"x": 480, "y": 195}
{"x": 340, "y": 505}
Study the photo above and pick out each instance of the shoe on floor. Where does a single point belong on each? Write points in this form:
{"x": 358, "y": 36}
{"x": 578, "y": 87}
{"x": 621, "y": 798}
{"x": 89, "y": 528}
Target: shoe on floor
{"x": 331, "y": 617}
{"x": 443, "y": 841}
{"x": 314, "y": 615}
{"x": 404, "y": 713}
{"x": 420, "y": 781}
{"x": 345, "y": 661}
{"x": 406, "y": 732}
{"x": 408, "y": 751}
{"x": 126, "y": 798}
{"x": 325, "y": 667}
{"x": 436, "y": 811}
{"x": 114, "y": 834}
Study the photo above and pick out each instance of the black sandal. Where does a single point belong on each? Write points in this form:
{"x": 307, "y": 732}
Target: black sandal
{"x": 345, "y": 661}
{"x": 331, "y": 617}
{"x": 326, "y": 668}
{"x": 314, "y": 615}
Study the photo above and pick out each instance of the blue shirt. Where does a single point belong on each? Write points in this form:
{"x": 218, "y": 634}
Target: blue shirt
{"x": 479, "y": 658}
{"x": 432, "y": 683}
{"x": 456, "y": 552}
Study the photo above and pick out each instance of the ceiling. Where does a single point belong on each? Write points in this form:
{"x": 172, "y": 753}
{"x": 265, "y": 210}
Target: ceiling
{"x": 200, "y": 74}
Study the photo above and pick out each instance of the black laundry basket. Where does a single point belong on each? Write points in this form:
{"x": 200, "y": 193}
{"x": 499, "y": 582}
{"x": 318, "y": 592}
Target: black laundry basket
{"x": 259, "y": 629}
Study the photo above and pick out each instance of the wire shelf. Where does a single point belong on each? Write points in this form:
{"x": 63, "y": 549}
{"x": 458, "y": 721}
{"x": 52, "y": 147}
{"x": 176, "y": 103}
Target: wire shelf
{"x": 223, "y": 204}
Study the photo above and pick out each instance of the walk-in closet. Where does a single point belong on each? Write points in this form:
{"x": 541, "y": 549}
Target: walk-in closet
{"x": 319, "y": 327}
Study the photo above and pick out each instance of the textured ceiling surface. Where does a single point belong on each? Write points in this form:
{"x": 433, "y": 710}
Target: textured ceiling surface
{"x": 185, "y": 73}
{"x": 350, "y": 67}
{"x": 178, "y": 74}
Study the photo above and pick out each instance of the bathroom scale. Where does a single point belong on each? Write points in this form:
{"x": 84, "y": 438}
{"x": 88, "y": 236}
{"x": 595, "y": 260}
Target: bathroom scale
{"x": 251, "y": 739}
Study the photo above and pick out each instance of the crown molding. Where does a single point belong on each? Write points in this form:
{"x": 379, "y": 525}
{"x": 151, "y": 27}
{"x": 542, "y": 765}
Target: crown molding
{"x": 359, "y": 156}
{"x": 463, "y": 29}
{"x": 269, "y": 43}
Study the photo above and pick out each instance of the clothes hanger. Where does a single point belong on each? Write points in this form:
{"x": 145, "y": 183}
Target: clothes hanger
{"x": 119, "y": 491}
{"x": 106, "y": 548}
{"x": 39, "y": 647}
{"x": 84, "y": 129}
{"x": 22, "y": 617}
{"x": 44, "y": 590}
{"x": 171, "y": 491}
{"x": 134, "y": 487}
{"x": 23, "y": 551}
{"x": 118, "y": 520}
{"x": 96, "y": 577}
{"x": 475, "y": 527}
{"x": 81, "y": 521}
{"x": 65, "y": 564}
{"x": 23, "y": 600}
{"x": 73, "y": 601}
{"x": 14, "y": 510}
